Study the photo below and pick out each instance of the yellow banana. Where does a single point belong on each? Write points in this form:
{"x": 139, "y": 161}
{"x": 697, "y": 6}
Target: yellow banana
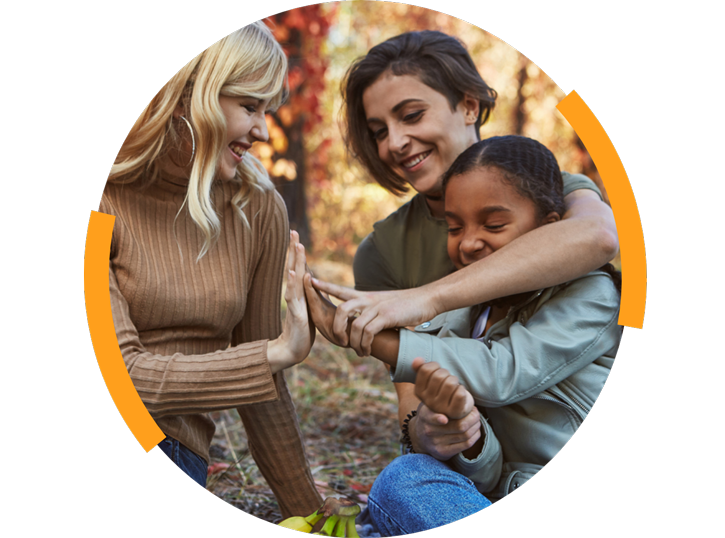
{"x": 296, "y": 523}
{"x": 340, "y": 514}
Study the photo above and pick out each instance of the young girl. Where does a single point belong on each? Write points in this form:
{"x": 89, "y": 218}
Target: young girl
{"x": 533, "y": 363}
{"x": 197, "y": 260}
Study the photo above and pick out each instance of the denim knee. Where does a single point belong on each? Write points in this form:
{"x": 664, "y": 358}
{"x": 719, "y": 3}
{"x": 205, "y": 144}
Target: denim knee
{"x": 406, "y": 472}
{"x": 416, "y": 492}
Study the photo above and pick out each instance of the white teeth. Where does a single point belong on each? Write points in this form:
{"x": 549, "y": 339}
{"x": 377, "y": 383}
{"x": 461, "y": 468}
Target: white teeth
{"x": 239, "y": 151}
{"x": 416, "y": 160}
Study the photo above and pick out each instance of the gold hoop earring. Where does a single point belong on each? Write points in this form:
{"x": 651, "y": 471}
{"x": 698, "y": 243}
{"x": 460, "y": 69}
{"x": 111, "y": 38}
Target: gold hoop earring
{"x": 193, "y": 141}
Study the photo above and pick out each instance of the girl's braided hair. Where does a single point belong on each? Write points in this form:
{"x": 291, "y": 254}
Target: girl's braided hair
{"x": 526, "y": 165}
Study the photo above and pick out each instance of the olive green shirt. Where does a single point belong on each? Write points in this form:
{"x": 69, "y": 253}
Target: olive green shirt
{"x": 408, "y": 248}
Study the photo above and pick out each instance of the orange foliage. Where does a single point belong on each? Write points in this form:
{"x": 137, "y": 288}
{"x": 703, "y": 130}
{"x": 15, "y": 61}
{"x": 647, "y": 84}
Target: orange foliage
{"x": 302, "y": 33}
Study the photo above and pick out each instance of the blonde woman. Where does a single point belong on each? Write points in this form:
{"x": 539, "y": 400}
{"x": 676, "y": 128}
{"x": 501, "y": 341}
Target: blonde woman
{"x": 197, "y": 260}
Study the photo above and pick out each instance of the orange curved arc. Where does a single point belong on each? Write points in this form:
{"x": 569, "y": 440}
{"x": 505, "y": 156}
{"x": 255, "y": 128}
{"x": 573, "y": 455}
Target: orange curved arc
{"x": 103, "y": 334}
{"x": 624, "y": 207}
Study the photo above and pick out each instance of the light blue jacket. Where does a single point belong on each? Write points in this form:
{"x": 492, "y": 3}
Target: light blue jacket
{"x": 534, "y": 378}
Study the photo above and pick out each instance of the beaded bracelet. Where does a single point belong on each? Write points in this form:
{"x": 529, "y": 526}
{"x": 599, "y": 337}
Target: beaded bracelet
{"x": 405, "y": 442}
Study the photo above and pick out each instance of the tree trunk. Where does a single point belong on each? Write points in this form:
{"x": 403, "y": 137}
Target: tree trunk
{"x": 519, "y": 112}
{"x": 293, "y": 191}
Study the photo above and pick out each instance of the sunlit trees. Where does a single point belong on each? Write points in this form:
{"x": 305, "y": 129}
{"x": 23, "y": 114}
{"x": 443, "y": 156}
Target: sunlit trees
{"x": 291, "y": 157}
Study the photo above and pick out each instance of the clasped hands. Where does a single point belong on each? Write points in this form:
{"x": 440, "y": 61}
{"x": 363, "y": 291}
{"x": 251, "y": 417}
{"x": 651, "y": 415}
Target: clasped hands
{"x": 447, "y": 422}
{"x": 362, "y": 315}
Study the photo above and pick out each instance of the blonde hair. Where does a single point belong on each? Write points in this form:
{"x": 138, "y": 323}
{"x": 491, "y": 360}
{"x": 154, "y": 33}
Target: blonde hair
{"x": 248, "y": 62}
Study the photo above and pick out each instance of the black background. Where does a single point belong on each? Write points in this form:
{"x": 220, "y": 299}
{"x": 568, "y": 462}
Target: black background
{"x": 600, "y": 53}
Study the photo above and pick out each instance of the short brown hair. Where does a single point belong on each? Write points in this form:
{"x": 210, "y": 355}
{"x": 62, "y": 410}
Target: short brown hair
{"x": 439, "y": 60}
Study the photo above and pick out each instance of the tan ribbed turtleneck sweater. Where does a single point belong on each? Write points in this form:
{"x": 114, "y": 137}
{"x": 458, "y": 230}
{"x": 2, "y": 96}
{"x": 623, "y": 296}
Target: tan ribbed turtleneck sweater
{"x": 194, "y": 334}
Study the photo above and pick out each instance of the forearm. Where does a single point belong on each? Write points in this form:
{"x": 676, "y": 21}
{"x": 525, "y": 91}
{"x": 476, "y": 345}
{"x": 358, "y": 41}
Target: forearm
{"x": 407, "y": 400}
{"x": 547, "y": 256}
{"x": 177, "y": 384}
{"x": 191, "y": 384}
{"x": 279, "y": 356}
{"x": 385, "y": 347}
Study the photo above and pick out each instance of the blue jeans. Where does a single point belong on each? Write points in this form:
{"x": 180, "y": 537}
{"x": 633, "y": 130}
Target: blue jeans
{"x": 416, "y": 492}
{"x": 188, "y": 461}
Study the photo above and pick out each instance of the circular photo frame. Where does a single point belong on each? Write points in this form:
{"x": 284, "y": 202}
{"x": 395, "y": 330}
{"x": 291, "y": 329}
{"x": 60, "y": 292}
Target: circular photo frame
{"x": 333, "y": 201}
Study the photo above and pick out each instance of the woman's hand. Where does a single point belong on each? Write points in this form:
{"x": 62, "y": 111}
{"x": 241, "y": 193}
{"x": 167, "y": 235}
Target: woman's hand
{"x": 375, "y": 311}
{"x": 433, "y": 434}
{"x": 295, "y": 342}
{"x": 447, "y": 422}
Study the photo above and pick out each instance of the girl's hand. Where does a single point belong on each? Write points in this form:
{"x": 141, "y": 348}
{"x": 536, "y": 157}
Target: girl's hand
{"x": 447, "y": 422}
{"x": 440, "y": 391}
{"x": 295, "y": 342}
{"x": 321, "y": 310}
{"x": 375, "y": 311}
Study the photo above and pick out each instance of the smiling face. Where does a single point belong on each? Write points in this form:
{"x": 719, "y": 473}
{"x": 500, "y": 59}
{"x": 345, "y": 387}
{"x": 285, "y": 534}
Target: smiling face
{"x": 246, "y": 124}
{"x": 484, "y": 213}
{"x": 417, "y": 133}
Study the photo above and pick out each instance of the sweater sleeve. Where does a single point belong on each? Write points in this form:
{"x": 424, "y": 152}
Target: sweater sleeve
{"x": 184, "y": 384}
{"x": 181, "y": 384}
{"x": 572, "y": 329}
{"x": 273, "y": 432}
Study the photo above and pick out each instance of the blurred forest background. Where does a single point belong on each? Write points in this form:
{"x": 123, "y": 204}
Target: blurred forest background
{"x": 346, "y": 404}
